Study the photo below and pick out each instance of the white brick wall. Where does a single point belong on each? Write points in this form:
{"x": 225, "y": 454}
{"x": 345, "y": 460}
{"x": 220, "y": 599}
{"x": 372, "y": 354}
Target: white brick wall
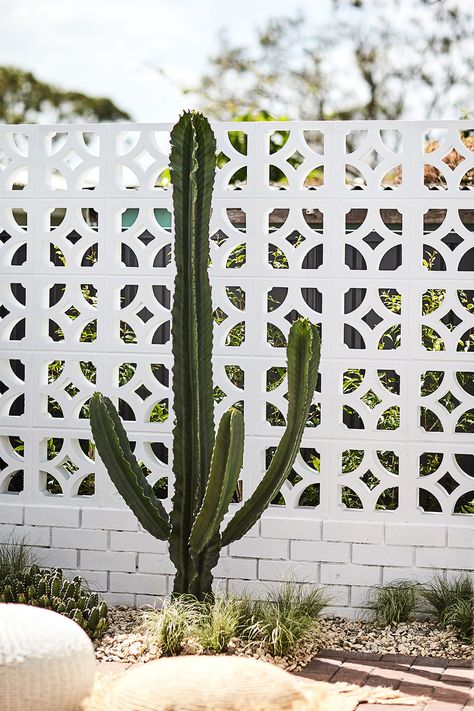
{"x": 130, "y": 567}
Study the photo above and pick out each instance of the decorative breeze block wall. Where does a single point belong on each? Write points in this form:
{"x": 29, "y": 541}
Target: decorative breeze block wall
{"x": 364, "y": 227}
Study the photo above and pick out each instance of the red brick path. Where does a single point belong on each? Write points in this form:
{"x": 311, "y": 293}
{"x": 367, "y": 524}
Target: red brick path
{"x": 448, "y": 683}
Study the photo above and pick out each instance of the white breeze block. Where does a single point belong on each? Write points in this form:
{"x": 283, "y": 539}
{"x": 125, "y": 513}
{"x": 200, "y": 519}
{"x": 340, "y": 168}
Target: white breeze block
{"x": 94, "y": 540}
{"x": 461, "y": 537}
{"x": 332, "y": 573}
{"x": 47, "y": 661}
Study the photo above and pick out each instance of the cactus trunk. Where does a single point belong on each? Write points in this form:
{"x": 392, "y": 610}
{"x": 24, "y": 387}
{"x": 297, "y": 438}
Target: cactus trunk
{"x": 192, "y": 172}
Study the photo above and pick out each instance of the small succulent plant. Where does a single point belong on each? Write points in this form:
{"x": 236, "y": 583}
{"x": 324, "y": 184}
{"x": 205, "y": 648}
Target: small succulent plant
{"x": 49, "y": 589}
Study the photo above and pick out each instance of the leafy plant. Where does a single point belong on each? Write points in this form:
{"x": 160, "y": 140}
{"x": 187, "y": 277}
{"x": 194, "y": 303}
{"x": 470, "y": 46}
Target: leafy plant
{"x": 16, "y": 557}
{"x": 394, "y": 603}
{"x": 206, "y": 466}
{"x": 48, "y": 589}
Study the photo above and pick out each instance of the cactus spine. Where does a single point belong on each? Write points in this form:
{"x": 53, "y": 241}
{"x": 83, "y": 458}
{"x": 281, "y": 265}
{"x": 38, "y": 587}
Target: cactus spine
{"x": 206, "y": 465}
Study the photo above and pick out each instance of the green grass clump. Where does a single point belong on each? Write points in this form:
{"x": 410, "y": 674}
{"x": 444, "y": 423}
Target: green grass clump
{"x": 284, "y": 618}
{"x": 16, "y": 557}
{"x": 461, "y": 616}
{"x": 277, "y": 623}
{"x": 451, "y": 602}
{"x": 395, "y": 603}
{"x": 170, "y": 626}
{"x": 441, "y": 594}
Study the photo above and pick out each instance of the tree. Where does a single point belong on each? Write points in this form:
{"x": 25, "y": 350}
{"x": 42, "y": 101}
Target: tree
{"x": 24, "y": 99}
{"x": 371, "y": 60}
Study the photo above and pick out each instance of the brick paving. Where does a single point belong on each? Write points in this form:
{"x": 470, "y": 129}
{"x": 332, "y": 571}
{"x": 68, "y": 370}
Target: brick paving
{"x": 448, "y": 683}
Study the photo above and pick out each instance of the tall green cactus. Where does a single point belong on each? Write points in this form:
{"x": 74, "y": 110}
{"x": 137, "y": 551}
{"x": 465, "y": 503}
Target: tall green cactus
{"x": 206, "y": 466}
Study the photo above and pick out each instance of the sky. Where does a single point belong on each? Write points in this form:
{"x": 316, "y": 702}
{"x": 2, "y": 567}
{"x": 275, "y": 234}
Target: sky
{"x": 113, "y": 47}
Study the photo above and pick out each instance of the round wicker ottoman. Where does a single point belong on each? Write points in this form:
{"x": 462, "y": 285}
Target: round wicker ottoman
{"x": 208, "y": 683}
{"x": 47, "y": 662}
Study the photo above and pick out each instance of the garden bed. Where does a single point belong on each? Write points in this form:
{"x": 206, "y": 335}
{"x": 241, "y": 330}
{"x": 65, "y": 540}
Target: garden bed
{"x": 126, "y": 642}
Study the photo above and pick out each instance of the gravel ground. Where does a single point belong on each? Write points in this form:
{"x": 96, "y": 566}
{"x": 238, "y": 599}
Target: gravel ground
{"x": 124, "y": 642}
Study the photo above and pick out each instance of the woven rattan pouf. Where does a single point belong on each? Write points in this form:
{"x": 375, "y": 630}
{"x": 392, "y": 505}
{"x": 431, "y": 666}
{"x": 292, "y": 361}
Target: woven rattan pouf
{"x": 47, "y": 662}
{"x": 207, "y": 683}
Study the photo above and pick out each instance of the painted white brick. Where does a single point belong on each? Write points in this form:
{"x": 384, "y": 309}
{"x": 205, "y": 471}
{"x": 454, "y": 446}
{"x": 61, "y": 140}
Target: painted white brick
{"x": 420, "y": 575}
{"x": 288, "y": 570}
{"x": 119, "y": 599}
{"x": 109, "y": 519}
{"x": 353, "y": 531}
{"x": 245, "y": 568}
{"x": 96, "y": 579}
{"x": 158, "y": 564}
{"x": 382, "y": 555}
{"x": 359, "y": 595}
{"x": 137, "y": 542}
{"x": 108, "y": 560}
{"x": 33, "y": 535}
{"x": 350, "y": 613}
{"x": 461, "y": 537}
{"x": 445, "y": 558}
{"x": 304, "y": 529}
{"x": 148, "y": 601}
{"x": 339, "y": 595}
{"x": 320, "y": 551}
{"x": 410, "y": 534}
{"x": 138, "y": 583}
{"x": 337, "y": 574}
{"x": 79, "y": 538}
{"x": 52, "y": 515}
{"x": 255, "y": 589}
{"x": 60, "y": 558}
{"x": 10, "y": 513}
{"x": 260, "y": 548}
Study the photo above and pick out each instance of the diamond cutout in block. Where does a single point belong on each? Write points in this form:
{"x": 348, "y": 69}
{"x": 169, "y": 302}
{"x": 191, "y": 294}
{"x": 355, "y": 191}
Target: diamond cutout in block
{"x": 372, "y": 319}
{"x": 218, "y": 394}
{"x": 72, "y": 313}
{"x": 219, "y": 315}
{"x": 453, "y": 158}
{"x": 373, "y": 239}
{"x": 449, "y": 401}
{"x": 370, "y": 480}
{"x": 295, "y": 239}
{"x": 373, "y": 158}
{"x": 371, "y": 399}
{"x": 451, "y": 320}
{"x": 68, "y": 466}
{"x": 143, "y": 392}
{"x": 448, "y": 483}
{"x": 296, "y": 159}
{"x": 71, "y": 390}
{"x": 452, "y": 240}
{"x": 145, "y": 314}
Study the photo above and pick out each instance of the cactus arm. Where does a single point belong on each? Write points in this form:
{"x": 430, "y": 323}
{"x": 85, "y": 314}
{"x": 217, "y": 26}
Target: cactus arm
{"x": 192, "y": 161}
{"x": 114, "y": 449}
{"x": 303, "y": 355}
{"x": 226, "y": 464}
